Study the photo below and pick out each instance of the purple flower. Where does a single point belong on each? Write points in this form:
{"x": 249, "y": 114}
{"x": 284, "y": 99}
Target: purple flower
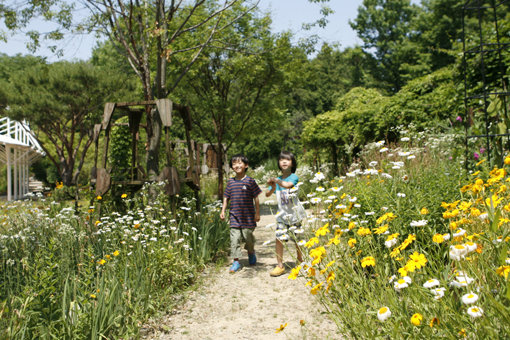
{"x": 459, "y": 119}
{"x": 482, "y": 150}
{"x": 476, "y": 155}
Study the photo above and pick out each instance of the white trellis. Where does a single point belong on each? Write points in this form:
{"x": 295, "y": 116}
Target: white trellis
{"x": 18, "y": 150}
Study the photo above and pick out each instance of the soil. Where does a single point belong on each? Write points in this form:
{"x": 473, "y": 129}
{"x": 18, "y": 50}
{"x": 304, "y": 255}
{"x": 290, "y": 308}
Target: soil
{"x": 249, "y": 304}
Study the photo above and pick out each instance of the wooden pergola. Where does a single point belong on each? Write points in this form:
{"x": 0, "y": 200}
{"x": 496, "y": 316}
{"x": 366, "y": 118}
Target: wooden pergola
{"x": 18, "y": 150}
{"x": 138, "y": 175}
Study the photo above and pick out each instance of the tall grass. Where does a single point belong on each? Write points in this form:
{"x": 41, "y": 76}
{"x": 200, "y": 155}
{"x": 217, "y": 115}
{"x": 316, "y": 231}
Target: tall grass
{"x": 383, "y": 252}
{"x": 78, "y": 275}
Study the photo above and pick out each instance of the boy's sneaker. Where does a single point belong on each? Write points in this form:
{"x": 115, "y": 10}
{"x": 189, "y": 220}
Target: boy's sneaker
{"x": 277, "y": 271}
{"x": 235, "y": 267}
{"x": 252, "y": 259}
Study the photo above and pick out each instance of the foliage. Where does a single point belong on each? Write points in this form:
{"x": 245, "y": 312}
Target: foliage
{"x": 62, "y": 101}
{"x": 393, "y": 229}
{"x": 80, "y": 275}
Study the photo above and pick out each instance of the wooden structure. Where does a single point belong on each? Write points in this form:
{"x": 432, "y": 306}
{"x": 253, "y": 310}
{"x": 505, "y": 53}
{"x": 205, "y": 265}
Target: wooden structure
{"x": 138, "y": 175}
{"x": 18, "y": 150}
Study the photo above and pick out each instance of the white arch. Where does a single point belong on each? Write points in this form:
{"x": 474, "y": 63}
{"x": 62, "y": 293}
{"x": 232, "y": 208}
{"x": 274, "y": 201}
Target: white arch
{"x": 18, "y": 149}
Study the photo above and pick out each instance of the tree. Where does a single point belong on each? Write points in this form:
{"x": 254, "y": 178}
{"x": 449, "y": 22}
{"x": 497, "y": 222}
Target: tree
{"x": 231, "y": 89}
{"x": 63, "y": 101}
{"x": 385, "y": 28}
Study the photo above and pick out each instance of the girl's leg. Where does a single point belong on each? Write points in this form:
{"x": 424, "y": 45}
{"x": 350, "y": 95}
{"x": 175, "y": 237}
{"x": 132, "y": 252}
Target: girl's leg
{"x": 279, "y": 253}
{"x": 299, "y": 254}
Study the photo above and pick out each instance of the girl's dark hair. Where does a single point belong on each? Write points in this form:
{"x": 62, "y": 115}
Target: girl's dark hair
{"x": 239, "y": 157}
{"x": 290, "y": 156}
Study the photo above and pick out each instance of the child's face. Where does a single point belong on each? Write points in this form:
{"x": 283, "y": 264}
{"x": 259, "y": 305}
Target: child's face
{"x": 239, "y": 167}
{"x": 285, "y": 164}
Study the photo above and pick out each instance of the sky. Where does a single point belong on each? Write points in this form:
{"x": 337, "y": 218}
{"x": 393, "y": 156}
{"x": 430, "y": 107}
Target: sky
{"x": 286, "y": 14}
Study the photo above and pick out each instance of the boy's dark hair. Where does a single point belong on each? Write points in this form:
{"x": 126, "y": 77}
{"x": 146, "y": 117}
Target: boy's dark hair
{"x": 290, "y": 156}
{"x": 239, "y": 157}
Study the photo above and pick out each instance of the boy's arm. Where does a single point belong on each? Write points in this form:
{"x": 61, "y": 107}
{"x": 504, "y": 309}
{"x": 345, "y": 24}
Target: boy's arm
{"x": 257, "y": 209}
{"x": 223, "y": 208}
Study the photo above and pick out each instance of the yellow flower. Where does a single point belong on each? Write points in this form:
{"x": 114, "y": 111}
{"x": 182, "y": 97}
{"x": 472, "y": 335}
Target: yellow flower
{"x": 97, "y": 222}
{"x": 351, "y": 225}
{"x": 381, "y": 229}
{"x": 99, "y": 198}
{"x": 123, "y": 196}
{"x": 419, "y": 260}
{"x": 493, "y": 201}
{"x": 465, "y": 205}
{"x": 507, "y": 160}
{"x": 434, "y": 321}
{"x": 281, "y": 328}
{"x": 108, "y": 257}
{"x": 416, "y": 319}
{"x": 322, "y": 231}
{"x": 386, "y": 217}
{"x": 363, "y": 231}
{"x": 317, "y": 254}
{"x": 101, "y": 262}
{"x": 136, "y": 226}
{"x": 311, "y": 242}
{"x": 351, "y": 242}
{"x": 403, "y": 271}
{"x": 331, "y": 277}
{"x": 503, "y": 271}
{"x": 294, "y": 273}
{"x": 480, "y": 162}
{"x": 475, "y": 212}
{"x": 438, "y": 238}
{"x": 316, "y": 288}
{"x": 424, "y": 211}
{"x": 462, "y": 333}
{"x": 59, "y": 185}
{"x": 368, "y": 261}
{"x": 93, "y": 296}
{"x": 116, "y": 253}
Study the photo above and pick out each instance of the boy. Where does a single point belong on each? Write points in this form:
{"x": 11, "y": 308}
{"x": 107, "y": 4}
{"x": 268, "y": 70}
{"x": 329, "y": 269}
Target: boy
{"x": 242, "y": 191}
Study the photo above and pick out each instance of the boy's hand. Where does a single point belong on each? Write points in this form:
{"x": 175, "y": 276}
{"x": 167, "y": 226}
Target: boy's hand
{"x": 257, "y": 217}
{"x": 222, "y": 215}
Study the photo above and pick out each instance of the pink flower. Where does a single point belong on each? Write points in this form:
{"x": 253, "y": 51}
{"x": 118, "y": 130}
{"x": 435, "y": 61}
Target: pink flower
{"x": 476, "y": 155}
{"x": 459, "y": 119}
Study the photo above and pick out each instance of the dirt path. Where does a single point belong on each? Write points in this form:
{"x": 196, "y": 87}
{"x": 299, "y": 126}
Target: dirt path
{"x": 248, "y": 304}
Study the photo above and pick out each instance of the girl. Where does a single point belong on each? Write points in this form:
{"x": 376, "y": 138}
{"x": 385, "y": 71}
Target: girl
{"x": 290, "y": 211}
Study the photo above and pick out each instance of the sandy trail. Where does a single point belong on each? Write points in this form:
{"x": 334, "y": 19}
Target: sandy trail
{"x": 248, "y": 304}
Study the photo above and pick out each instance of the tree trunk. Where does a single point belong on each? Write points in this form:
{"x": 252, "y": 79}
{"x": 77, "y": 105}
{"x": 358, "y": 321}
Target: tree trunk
{"x": 153, "y": 137}
{"x": 219, "y": 162}
{"x": 335, "y": 159}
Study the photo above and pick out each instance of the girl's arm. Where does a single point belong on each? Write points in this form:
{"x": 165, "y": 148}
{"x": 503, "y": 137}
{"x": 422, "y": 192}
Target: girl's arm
{"x": 272, "y": 183}
{"x": 283, "y": 184}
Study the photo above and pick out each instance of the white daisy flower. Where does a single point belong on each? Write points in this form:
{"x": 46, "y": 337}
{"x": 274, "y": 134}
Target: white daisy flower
{"x": 383, "y": 313}
{"x": 438, "y": 292}
{"x": 475, "y": 312}
{"x": 469, "y": 298}
{"x": 431, "y": 283}
{"x": 460, "y": 232}
{"x": 458, "y": 252}
{"x": 420, "y": 223}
